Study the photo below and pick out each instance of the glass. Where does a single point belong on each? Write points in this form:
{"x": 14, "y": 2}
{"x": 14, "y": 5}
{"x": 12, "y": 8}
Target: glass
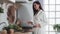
{"x": 46, "y": 28}
{"x": 52, "y": 32}
{"x": 51, "y": 7}
{"x": 46, "y": 13}
{"x": 46, "y": 33}
{"x": 45, "y": 7}
{"x": 45, "y": 1}
{"x": 57, "y": 7}
{"x": 51, "y": 14}
{"x": 57, "y": 1}
{"x": 51, "y": 21}
{"x": 57, "y": 21}
{"x": 57, "y": 14}
{"x": 51, "y": 28}
{"x": 51, "y": 1}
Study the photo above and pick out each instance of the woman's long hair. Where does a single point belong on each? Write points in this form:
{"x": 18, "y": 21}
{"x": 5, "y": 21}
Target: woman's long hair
{"x": 40, "y": 7}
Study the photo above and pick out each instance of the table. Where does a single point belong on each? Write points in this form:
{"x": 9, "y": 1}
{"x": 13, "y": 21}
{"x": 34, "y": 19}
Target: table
{"x": 23, "y": 33}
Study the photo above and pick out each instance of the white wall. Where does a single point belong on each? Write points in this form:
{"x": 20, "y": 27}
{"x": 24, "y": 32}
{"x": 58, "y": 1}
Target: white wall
{"x": 3, "y": 16}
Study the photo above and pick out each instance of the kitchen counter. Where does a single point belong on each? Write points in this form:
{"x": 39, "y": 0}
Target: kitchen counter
{"x": 23, "y": 33}
{"x": 5, "y": 32}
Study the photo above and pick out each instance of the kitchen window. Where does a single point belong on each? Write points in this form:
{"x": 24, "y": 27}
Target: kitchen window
{"x": 52, "y": 11}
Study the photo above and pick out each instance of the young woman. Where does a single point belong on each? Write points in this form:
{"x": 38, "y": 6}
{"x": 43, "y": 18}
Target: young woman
{"x": 40, "y": 20}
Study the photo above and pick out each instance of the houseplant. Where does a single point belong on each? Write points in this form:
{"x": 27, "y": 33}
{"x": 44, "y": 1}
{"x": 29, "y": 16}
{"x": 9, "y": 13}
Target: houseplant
{"x": 1, "y": 10}
{"x": 14, "y": 27}
{"x": 57, "y": 27}
{"x": 30, "y": 0}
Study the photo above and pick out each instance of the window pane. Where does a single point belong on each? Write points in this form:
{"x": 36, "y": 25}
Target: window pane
{"x": 46, "y": 33}
{"x": 51, "y": 21}
{"x": 57, "y": 32}
{"x": 52, "y": 33}
{"x": 46, "y": 28}
{"x": 46, "y": 14}
{"x": 57, "y": 1}
{"x": 51, "y": 14}
{"x": 51, "y": 1}
{"x": 51, "y": 28}
{"x": 57, "y": 7}
{"x": 57, "y": 14}
{"x": 45, "y": 7}
{"x": 43, "y": 32}
{"x": 45, "y": 1}
{"x": 57, "y": 21}
{"x": 51, "y": 7}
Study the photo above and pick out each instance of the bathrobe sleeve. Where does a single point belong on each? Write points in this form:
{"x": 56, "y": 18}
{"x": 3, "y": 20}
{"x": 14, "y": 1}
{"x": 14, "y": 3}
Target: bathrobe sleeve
{"x": 42, "y": 20}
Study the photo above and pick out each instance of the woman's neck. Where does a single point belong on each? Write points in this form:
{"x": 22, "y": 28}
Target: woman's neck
{"x": 38, "y": 9}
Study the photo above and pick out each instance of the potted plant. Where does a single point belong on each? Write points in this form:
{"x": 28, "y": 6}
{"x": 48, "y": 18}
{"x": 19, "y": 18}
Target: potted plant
{"x": 56, "y": 27}
{"x": 12, "y": 27}
{"x": 30, "y": 0}
{"x": 1, "y": 10}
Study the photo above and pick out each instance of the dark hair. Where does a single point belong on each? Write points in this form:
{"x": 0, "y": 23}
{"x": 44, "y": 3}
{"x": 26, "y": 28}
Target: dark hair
{"x": 34, "y": 10}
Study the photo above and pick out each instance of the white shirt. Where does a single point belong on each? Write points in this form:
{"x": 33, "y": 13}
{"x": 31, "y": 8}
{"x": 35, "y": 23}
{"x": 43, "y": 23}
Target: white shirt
{"x": 40, "y": 18}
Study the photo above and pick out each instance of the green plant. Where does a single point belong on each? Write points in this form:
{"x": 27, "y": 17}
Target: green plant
{"x": 13, "y": 26}
{"x": 57, "y": 27}
{"x": 9, "y": 27}
{"x": 1, "y": 10}
{"x": 30, "y": 0}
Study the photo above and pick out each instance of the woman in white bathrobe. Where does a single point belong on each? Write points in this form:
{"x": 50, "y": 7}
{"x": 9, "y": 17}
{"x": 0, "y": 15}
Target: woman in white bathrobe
{"x": 40, "y": 20}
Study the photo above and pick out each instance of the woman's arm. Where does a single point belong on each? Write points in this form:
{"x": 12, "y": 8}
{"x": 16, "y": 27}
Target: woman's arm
{"x": 42, "y": 19}
{"x": 37, "y": 26}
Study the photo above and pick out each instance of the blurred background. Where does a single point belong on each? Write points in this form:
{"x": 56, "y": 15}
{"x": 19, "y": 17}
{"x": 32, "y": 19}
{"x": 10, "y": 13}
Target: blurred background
{"x": 51, "y": 8}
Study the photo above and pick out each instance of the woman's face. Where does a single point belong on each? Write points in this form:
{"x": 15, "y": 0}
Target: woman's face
{"x": 36, "y": 6}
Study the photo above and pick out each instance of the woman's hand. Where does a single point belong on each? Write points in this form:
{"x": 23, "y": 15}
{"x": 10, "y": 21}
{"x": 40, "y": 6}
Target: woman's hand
{"x": 30, "y": 30}
{"x": 37, "y": 26}
{"x": 29, "y": 22}
{"x": 18, "y": 22}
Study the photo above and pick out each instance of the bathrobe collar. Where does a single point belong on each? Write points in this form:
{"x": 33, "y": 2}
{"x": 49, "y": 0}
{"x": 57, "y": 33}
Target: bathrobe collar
{"x": 40, "y": 11}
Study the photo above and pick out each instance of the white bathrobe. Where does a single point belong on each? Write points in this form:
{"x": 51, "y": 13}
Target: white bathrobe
{"x": 40, "y": 18}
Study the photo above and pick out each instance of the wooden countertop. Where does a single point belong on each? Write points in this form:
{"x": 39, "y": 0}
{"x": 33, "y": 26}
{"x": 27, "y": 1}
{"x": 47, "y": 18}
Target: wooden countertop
{"x": 23, "y": 33}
